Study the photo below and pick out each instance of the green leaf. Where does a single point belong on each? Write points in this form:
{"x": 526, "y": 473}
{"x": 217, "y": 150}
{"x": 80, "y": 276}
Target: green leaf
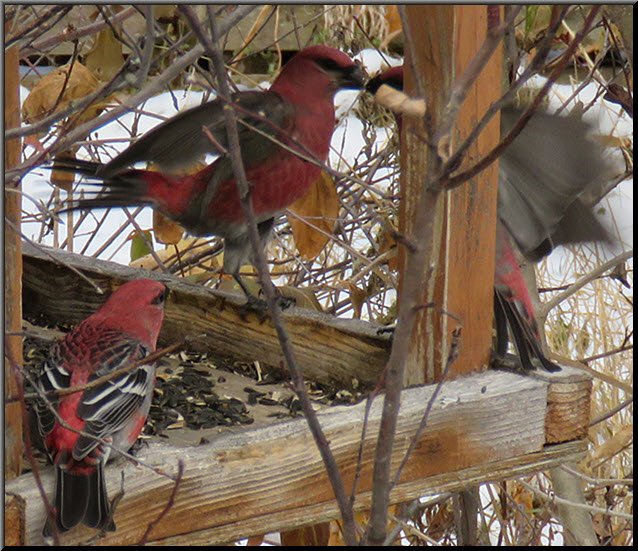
{"x": 530, "y": 17}
{"x": 141, "y": 244}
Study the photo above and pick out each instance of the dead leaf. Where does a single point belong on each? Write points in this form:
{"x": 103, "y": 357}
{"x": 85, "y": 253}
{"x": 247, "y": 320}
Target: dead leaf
{"x": 618, "y": 442}
{"x": 393, "y": 18}
{"x": 357, "y": 297}
{"x": 524, "y": 498}
{"x": 318, "y": 208}
{"x": 361, "y": 518}
{"x": 255, "y": 540}
{"x": 141, "y": 243}
{"x": 105, "y": 58}
{"x": 388, "y": 242}
{"x": 54, "y": 91}
{"x": 164, "y": 11}
{"x": 314, "y": 536}
{"x": 166, "y": 231}
{"x": 395, "y": 29}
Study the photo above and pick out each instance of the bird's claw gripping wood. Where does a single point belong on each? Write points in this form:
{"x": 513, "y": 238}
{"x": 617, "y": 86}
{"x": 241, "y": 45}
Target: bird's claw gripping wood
{"x": 260, "y": 307}
{"x": 389, "y": 329}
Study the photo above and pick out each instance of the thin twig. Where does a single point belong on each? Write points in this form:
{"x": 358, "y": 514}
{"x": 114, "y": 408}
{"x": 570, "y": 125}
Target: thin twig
{"x": 546, "y": 307}
{"x": 234, "y": 151}
{"x": 554, "y": 499}
{"x": 169, "y": 503}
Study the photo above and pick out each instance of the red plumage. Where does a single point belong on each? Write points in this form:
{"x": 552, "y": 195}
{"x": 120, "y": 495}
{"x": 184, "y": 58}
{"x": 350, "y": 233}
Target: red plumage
{"x": 123, "y": 331}
{"x": 278, "y": 131}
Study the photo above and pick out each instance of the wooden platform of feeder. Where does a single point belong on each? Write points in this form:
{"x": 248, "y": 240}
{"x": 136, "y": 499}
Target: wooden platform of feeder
{"x": 328, "y": 349}
{"x": 486, "y": 427}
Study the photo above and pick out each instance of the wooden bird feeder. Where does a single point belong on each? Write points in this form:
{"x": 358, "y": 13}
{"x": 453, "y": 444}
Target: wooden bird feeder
{"x": 484, "y": 425}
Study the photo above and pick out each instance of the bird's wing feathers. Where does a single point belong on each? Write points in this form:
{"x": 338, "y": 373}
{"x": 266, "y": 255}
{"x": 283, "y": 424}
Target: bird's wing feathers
{"x": 110, "y": 406}
{"x": 182, "y": 140}
{"x": 544, "y": 174}
{"x": 53, "y": 376}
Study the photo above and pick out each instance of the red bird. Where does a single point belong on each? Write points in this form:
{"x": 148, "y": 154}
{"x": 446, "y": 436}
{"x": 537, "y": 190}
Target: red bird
{"x": 543, "y": 175}
{"x": 123, "y": 331}
{"x": 279, "y": 130}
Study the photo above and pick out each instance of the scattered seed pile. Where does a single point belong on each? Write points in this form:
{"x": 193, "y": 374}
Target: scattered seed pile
{"x": 195, "y": 393}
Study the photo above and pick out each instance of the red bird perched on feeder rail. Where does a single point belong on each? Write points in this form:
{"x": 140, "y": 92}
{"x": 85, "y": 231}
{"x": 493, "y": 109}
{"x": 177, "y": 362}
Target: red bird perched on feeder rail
{"x": 543, "y": 174}
{"x": 122, "y": 332}
{"x": 281, "y": 131}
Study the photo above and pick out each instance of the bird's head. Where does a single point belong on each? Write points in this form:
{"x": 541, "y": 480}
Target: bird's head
{"x": 136, "y": 308}
{"x": 320, "y": 69}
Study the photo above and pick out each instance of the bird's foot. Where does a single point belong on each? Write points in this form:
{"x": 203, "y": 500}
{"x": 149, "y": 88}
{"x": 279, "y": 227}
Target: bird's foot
{"x": 260, "y": 307}
{"x": 138, "y": 445}
{"x": 254, "y": 305}
{"x": 282, "y": 301}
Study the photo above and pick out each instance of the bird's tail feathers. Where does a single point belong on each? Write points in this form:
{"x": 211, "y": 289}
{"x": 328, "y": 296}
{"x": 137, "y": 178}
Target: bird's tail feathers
{"x": 127, "y": 189}
{"x": 524, "y": 336}
{"x": 80, "y": 498}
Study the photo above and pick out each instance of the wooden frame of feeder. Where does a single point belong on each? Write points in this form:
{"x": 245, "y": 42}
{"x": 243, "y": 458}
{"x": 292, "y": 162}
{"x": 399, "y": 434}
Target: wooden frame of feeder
{"x": 483, "y": 426}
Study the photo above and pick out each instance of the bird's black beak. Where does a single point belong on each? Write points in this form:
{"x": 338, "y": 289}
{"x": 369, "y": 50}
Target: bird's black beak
{"x": 391, "y": 78}
{"x": 373, "y": 85}
{"x": 352, "y": 77}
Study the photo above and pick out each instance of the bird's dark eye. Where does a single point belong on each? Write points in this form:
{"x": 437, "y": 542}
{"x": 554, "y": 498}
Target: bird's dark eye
{"x": 161, "y": 298}
{"x": 328, "y": 64}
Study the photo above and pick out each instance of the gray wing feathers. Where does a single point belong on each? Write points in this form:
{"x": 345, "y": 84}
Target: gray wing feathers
{"x": 543, "y": 176}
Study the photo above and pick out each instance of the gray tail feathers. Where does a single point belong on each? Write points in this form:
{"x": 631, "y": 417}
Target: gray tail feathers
{"x": 80, "y": 499}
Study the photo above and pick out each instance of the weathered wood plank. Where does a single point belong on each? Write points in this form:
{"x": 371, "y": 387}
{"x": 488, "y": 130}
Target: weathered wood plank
{"x": 522, "y": 465}
{"x": 480, "y": 428}
{"x": 327, "y": 348}
{"x": 14, "y": 517}
{"x": 568, "y": 405}
{"x": 13, "y": 265}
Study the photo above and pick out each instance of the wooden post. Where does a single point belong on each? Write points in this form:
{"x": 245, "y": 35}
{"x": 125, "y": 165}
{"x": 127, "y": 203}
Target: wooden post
{"x": 13, "y": 268}
{"x": 445, "y": 39}
{"x": 460, "y": 281}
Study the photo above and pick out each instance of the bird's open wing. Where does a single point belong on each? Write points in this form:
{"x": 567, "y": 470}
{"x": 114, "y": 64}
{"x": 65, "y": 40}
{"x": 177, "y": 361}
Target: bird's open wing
{"x": 543, "y": 176}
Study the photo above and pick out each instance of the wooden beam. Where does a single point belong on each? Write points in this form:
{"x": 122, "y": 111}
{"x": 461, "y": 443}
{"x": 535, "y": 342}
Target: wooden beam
{"x": 486, "y": 427}
{"x": 13, "y": 266}
{"x": 328, "y": 349}
{"x": 446, "y": 39}
{"x": 14, "y": 517}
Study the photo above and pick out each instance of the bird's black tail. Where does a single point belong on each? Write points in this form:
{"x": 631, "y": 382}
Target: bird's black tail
{"x": 528, "y": 347}
{"x": 80, "y": 498}
{"x": 127, "y": 189}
